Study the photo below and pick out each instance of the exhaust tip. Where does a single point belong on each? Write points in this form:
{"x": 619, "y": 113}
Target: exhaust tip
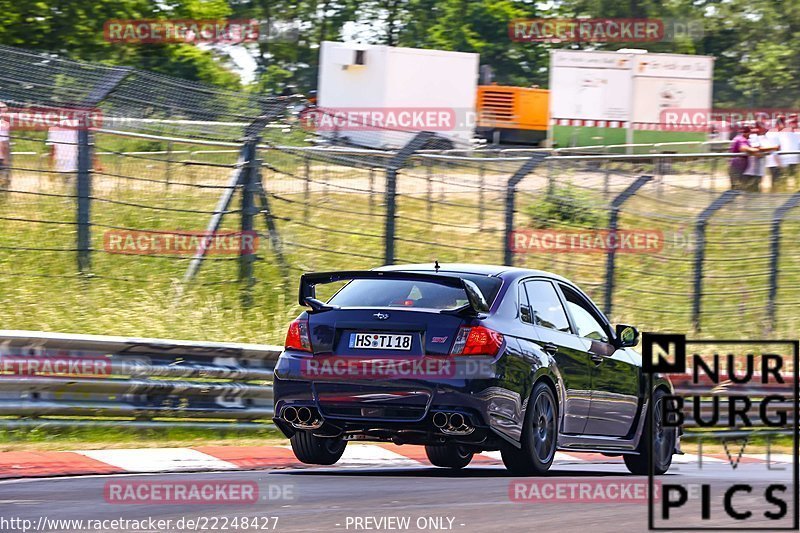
{"x": 456, "y": 420}
{"x": 304, "y": 415}
{"x": 290, "y": 414}
{"x": 439, "y": 420}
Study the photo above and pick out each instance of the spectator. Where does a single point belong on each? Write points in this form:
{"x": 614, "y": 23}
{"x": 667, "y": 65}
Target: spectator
{"x": 5, "y": 148}
{"x": 740, "y": 144}
{"x": 63, "y": 140}
{"x": 754, "y": 173}
{"x": 774, "y": 161}
{"x": 790, "y": 142}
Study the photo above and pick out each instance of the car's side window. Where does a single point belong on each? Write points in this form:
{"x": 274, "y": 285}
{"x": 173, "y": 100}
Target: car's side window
{"x": 546, "y": 306}
{"x": 586, "y": 321}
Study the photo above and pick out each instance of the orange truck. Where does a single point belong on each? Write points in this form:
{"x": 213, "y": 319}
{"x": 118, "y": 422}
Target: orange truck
{"x": 512, "y": 115}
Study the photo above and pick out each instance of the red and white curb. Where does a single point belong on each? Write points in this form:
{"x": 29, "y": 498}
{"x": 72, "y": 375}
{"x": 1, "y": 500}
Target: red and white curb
{"x": 221, "y": 458}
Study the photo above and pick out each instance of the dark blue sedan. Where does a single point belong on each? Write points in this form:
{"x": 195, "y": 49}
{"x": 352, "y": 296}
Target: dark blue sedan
{"x": 464, "y": 359}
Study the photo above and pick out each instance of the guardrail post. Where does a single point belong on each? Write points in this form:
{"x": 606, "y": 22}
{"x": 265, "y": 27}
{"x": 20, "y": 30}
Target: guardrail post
{"x": 613, "y": 222}
{"x": 511, "y": 194}
{"x": 83, "y": 192}
{"x": 700, "y": 251}
{"x": 396, "y": 163}
{"x": 775, "y": 244}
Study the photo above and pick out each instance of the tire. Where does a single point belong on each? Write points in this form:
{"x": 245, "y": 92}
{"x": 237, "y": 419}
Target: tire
{"x": 448, "y": 456}
{"x": 663, "y": 442}
{"x": 539, "y": 436}
{"x": 314, "y": 450}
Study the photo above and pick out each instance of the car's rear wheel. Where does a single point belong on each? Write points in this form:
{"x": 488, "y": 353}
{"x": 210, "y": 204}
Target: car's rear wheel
{"x": 448, "y": 456}
{"x": 539, "y": 435}
{"x": 314, "y": 450}
{"x": 664, "y": 439}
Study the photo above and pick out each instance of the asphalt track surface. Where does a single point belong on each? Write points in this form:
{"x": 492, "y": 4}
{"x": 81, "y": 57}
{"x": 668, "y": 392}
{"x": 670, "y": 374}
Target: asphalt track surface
{"x": 476, "y": 499}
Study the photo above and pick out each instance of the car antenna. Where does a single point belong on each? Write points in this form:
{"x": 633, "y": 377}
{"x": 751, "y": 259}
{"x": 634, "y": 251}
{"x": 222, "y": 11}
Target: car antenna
{"x": 436, "y": 266}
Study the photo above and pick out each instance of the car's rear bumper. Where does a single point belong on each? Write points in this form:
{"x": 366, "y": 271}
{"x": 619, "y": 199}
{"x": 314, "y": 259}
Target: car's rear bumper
{"x": 399, "y": 410}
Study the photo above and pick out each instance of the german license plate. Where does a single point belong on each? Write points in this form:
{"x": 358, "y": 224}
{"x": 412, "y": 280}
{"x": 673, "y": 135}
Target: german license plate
{"x": 380, "y": 341}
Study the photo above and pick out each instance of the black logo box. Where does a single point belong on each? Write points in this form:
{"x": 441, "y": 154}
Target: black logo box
{"x": 675, "y": 346}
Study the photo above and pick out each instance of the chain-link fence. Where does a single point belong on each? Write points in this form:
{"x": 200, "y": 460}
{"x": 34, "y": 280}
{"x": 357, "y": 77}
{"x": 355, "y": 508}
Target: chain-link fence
{"x": 650, "y": 231}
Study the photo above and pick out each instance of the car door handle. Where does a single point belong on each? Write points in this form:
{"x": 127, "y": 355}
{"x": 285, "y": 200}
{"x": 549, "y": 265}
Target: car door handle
{"x": 598, "y": 358}
{"x": 550, "y": 348}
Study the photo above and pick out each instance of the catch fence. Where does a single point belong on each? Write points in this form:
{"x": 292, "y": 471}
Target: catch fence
{"x": 181, "y": 159}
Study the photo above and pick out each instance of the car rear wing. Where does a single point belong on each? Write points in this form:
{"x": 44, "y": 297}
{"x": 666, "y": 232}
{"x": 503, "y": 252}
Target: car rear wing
{"x": 308, "y": 282}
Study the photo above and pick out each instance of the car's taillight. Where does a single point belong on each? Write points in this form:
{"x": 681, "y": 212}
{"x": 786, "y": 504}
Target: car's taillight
{"x": 297, "y": 337}
{"x": 477, "y": 340}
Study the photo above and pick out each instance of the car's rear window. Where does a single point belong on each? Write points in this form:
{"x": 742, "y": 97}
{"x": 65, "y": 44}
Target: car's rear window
{"x": 402, "y": 293}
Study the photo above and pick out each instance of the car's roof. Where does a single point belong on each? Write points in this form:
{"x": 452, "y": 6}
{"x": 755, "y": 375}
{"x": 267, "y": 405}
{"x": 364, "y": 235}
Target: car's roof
{"x": 471, "y": 268}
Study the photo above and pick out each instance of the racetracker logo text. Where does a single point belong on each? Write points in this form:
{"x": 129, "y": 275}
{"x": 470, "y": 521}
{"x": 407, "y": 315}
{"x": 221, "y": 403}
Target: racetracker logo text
{"x": 588, "y": 241}
{"x": 385, "y": 118}
{"x": 180, "y": 242}
{"x": 47, "y": 118}
{"x": 219, "y": 31}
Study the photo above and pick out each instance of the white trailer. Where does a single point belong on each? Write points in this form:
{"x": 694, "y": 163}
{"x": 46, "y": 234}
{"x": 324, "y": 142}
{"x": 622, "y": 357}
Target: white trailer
{"x": 381, "y": 95}
{"x": 630, "y": 89}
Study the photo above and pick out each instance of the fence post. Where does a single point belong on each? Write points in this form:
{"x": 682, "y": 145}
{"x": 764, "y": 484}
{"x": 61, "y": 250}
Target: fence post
{"x": 511, "y": 193}
{"x": 169, "y": 164}
{"x": 613, "y": 222}
{"x": 83, "y": 191}
{"x": 700, "y": 251}
{"x": 306, "y": 186}
{"x": 481, "y": 192}
{"x": 395, "y": 164}
{"x": 221, "y": 208}
{"x": 249, "y": 188}
{"x": 775, "y": 244}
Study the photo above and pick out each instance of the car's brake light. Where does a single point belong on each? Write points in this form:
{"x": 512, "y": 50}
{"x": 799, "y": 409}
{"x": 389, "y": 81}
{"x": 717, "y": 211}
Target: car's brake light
{"x": 297, "y": 337}
{"x": 477, "y": 340}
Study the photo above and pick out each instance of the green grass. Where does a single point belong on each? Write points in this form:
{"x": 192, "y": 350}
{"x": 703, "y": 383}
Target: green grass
{"x": 342, "y": 227}
{"x": 85, "y": 438}
{"x": 565, "y": 136}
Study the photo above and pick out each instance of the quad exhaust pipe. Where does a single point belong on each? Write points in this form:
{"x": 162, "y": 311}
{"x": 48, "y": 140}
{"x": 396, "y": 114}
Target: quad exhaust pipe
{"x": 302, "y": 417}
{"x": 452, "y": 423}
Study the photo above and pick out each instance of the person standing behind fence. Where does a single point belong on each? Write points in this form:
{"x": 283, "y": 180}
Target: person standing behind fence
{"x": 740, "y": 144}
{"x": 790, "y": 142}
{"x": 5, "y": 148}
{"x": 63, "y": 142}
{"x": 754, "y": 173}
{"x": 775, "y": 162}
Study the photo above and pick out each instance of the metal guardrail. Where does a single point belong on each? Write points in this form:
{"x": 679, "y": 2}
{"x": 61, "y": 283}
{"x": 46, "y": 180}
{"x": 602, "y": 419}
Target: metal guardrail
{"x": 71, "y": 380}
{"x": 53, "y": 379}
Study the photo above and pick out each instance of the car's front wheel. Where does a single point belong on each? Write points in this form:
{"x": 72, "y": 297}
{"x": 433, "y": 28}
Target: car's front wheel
{"x": 539, "y": 435}
{"x": 448, "y": 456}
{"x": 314, "y": 450}
{"x": 664, "y": 439}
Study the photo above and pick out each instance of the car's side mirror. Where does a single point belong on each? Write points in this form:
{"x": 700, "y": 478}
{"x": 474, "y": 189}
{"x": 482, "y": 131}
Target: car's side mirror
{"x": 627, "y": 336}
